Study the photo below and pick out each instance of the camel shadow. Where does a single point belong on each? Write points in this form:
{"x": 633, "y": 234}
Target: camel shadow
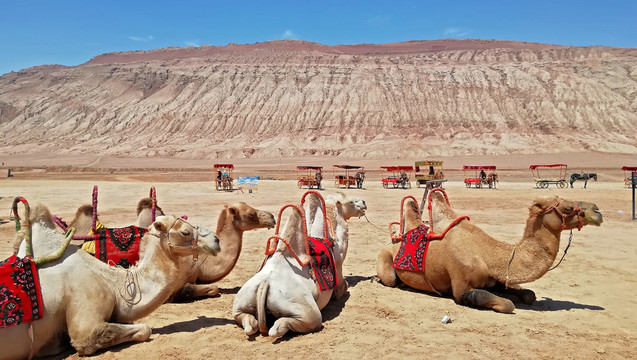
{"x": 233, "y": 290}
{"x": 192, "y": 325}
{"x": 353, "y": 280}
{"x": 548, "y": 304}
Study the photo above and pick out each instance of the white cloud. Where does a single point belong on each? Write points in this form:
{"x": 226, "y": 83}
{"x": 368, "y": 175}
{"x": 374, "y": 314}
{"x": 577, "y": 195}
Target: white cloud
{"x": 455, "y": 32}
{"x": 289, "y": 34}
{"x": 141, "y": 39}
{"x": 195, "y": 43}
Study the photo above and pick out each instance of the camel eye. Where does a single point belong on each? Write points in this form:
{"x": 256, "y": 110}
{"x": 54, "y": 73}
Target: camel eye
{"x": 185, "y": 232}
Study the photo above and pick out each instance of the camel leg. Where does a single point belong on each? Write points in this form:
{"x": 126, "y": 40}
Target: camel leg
{"x": 310, "y": 321}
{"x": 515, "y": 293}
{"x": 248, "y": 322}
{"x": 385, "y": 268}
{"x": 198, "y": 290}
{"x": 87, "y": 338}
{"x": 480, "y": 298}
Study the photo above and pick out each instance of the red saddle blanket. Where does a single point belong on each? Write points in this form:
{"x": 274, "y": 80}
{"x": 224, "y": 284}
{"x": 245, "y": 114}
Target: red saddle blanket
{"x": 323, "y": 263}
{"x": 413, "y": 250}
{"x": 20, "y": 293}
{"x": 119, "y": 246}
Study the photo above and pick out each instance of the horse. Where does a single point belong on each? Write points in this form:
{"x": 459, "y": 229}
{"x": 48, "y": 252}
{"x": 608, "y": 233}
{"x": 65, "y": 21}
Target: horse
{"x": 492, "y": 179}
{"x": 360, "y": 177}
{"x": 584, "y": 177}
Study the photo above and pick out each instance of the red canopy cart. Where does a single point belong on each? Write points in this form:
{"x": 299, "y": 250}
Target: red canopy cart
{"x": 554, "y": 170}
{"x": 399, "y": 177}
{"x": 629, "y": 172}
{"x": 224, "y": 177}
{"x": 347, "y": 179}
{"x": 309, "y": 176}
{"x": 481, "y": 177}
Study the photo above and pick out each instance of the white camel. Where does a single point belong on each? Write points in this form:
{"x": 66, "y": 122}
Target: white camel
{"x": 285, "y": 286}
{"x": 94, "y": 304}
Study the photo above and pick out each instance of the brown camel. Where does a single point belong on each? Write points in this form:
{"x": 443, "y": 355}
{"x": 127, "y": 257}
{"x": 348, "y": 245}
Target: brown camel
{"x": 233, "y": 221}
{"x": 468, "y": 264}
{"x": 95, "y": 304}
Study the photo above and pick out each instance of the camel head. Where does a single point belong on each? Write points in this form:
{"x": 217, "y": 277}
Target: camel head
{"x": 144, "y": 212}
{"x": 351, "y": 205}
{"x": 562, "y": 214}
{"x": 83, "y": 220}
{"x": 183, "y": 239}
{"x": 244, "y": 217}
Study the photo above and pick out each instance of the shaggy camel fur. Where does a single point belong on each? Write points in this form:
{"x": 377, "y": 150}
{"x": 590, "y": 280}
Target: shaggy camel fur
{"x": 468, "y": 264}
{"x": 94, "y": 304}
{"x": 284, "y": 286}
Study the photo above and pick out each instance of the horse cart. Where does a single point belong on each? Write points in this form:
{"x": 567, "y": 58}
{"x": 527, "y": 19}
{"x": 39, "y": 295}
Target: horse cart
{"x": 309, "y": 176}
{"x": 554, "y": 169}
{"x": 399, "y": 177}
{"x": 224, "y": 179}
{"x": 346, "y": 178}
{"x": 433, "y": 176}
{"x": 630, "y": 173}
{"x": 481, "y": 178}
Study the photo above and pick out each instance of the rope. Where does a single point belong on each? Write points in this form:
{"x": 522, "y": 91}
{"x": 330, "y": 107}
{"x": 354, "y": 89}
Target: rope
{"x": 58, "y": 253}
{"x": 506, "y": 282}
{"x": 153, "y": 197}
{"x": 269, "y": 250}
{"x": 94, "y": 203}
{"x": 570, "y": 237}
{"x": 27, "y": 222}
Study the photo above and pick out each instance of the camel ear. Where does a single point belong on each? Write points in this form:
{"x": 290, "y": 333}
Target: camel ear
{"x": 233, "y": 211}
{"x": 160, "y": 226}
{"x": 339, "y": 207}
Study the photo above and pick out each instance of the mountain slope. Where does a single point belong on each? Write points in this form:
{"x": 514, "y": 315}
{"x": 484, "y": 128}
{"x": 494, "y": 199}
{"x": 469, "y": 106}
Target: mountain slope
{"x": 285, "y": 98}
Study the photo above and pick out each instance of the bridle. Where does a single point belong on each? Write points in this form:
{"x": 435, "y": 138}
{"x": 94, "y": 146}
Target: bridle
{"x": 576, "y": 210}
{"x": 192, "y": 246}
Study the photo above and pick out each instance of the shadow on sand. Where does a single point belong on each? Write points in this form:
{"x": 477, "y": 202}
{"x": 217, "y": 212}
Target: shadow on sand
{"x": 548, "y": 304}
{"x": 192, "y": 325}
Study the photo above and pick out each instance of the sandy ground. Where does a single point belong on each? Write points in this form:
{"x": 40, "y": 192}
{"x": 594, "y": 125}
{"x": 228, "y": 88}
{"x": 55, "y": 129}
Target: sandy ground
{"x": 585, "y": 309}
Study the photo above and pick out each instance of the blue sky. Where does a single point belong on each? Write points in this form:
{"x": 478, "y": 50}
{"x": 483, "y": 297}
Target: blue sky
{"x": 71, "y": 32}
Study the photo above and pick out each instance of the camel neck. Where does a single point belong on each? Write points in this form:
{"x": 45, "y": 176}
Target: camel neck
{"x": 529, "y": 259}
{"x": 230, "y": 241}
{"x": 150, "y": 283}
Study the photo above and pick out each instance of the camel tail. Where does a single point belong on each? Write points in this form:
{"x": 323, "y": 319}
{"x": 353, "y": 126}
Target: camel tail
{"x": 262, "y": 297}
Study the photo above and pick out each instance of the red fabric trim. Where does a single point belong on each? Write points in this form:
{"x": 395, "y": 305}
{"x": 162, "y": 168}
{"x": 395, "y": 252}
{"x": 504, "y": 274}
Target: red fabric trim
{"x": 20, "y": 292}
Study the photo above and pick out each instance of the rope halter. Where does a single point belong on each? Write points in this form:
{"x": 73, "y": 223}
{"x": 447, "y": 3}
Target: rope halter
{"x": 192, "y": 247}
{"x": 576, "y": 210}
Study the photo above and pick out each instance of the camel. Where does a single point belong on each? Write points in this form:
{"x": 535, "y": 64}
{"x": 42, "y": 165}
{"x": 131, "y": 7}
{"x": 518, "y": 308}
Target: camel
{"x": 94, "y": 304}
{"x": 234, "y": 220}
{"x": 285, "y": 287}
{"x": 470, "y": 265}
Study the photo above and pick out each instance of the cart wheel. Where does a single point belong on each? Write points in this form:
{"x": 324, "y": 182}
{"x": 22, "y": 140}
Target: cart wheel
{"x": 299, "y": 184}
{"x": 467, "y": 184}
{"x": 336, "y": 183}
{"x": 543, "y": 184}
{"x": 561, "y": 184}
{"x": 478, "y": 185}
{"x": 385, "y": 185}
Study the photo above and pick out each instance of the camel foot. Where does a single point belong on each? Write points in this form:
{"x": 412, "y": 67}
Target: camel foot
{"x": 248, "y": 323}
{"x": 340, "y": 290}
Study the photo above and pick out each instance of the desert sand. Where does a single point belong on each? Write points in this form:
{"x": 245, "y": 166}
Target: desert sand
{"x": 585, "y": 308}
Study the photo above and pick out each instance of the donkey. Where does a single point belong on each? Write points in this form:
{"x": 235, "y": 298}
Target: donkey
{"x": 584, "y": 177}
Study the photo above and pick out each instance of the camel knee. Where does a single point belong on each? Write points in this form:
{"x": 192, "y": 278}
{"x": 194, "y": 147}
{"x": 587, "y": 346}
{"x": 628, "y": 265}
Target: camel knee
{"x": 248, "y": 322}
{"x": 305, "y": 325}
{"x": 385, "y": 269}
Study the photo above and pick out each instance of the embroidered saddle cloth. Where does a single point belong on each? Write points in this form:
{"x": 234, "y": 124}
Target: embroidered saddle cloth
{"x": 413, "y": 250}
{"x": 323, "y": 263}
{"x": 119, "y": 246}
{"x": 20, "y": 293}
